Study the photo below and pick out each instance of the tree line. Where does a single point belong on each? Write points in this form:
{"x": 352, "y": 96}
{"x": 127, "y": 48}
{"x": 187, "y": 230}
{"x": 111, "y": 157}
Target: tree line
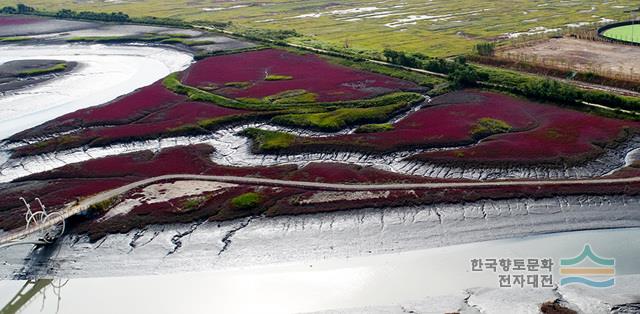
{"x": 118, "y": 17}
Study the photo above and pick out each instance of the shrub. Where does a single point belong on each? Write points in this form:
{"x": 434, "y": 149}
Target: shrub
{"x": 246, "y": 201}
{"x": 292, "y": 97}
{"x": 485, "y": 49}
{"x": 193, "y": 203}
{"x": 276, "y": 77}
{"x": 374, "y": 128}
{"x": 269, "y": 140}
{"x": 340, "y": 118}
{"x": 487, "y": 126}
{"x": 102, "y": 206}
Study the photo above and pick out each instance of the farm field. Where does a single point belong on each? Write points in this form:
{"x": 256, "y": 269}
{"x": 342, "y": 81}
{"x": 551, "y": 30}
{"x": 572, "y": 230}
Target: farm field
{"x": 630, "y": 33}
{"x": 606, "y": 59}
{"x": 436, "y": 28}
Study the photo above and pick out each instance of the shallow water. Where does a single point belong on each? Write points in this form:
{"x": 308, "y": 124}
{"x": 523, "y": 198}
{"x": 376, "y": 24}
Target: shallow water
{"x": 104, "y": 73}
{"x": 333, "y": 283}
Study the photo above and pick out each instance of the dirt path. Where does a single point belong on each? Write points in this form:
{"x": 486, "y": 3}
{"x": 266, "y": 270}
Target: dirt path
{"x": 86, "y": 203}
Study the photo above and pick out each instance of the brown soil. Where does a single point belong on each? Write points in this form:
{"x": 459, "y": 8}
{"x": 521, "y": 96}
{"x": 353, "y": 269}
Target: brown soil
{"x": 606, "y": 59}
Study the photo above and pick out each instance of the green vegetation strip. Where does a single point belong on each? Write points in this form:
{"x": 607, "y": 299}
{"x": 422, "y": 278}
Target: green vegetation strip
{"x": 14, "y": 39}
{"x": 276, "y": 77}
{"x": 52, "y": 69}
{"x": 341, "y": 118}
{"x": 374, "y": 128}
{"x": 151, "y": 38}
{"x": 286, "y": 100}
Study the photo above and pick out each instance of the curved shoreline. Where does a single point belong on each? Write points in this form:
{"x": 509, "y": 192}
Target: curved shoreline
{"x": 125, "y": 68}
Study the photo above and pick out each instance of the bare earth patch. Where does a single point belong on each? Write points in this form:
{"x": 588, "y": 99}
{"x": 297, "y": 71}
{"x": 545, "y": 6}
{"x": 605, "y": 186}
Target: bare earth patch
{"x": 325, "y": 197}
{"x": 164, "y": 192}
{"x": 606, "y": 59}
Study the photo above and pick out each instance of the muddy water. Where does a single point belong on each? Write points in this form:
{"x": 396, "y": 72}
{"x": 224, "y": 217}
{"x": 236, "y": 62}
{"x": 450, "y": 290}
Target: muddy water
{"x": 436, "y": 279}
{"x": 103, "y": 73}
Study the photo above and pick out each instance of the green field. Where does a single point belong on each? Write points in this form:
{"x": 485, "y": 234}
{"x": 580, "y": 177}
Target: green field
{"x": 436, "y": 28}
{"x": 630, "y": 33}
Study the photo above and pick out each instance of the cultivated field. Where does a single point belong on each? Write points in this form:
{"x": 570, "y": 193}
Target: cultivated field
{"x": 627, "y": 33}
{"x": 606, "y": 59}
{"x": 437, "y": 27}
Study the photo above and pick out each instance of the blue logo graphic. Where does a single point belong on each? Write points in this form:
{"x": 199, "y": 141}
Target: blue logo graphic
{"x": 600, "y": 275}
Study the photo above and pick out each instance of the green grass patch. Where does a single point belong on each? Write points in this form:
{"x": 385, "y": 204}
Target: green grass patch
{"x": 246, "y": 201}
{"x": 296, "y": 96}
{"x": 341, "y": 118}
{"x": 374, "y": 128}
{"x": 240, "y": 85}
{"x": 488, "y": 126}
{"x": 14, "y": 39}
{"x": 277, "y": 77}
{"x": 103, "y": 206}
{"x": 187, "y": 42}
{"x": 193, "y": 203}
{"x": 52, "y": 69}
{"x": 269, "y": 140}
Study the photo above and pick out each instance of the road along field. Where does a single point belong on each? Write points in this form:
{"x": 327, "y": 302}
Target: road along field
{"x": 436, "y": 28}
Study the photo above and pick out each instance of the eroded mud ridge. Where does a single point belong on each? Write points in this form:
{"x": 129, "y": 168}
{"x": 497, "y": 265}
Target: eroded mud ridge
{"x": 234, "y": 150}
{"x": 256, "y": 240}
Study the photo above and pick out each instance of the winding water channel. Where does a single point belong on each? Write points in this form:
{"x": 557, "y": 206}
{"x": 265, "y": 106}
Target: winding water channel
{"x": 234, "y": 150}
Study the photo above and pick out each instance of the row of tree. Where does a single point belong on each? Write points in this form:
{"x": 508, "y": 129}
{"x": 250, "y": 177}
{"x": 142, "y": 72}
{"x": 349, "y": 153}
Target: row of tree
{"x": 18, "y": 9}
{"x": 94, "y": 16}
{"x": 117, "y": 17}
{"x": 460, "y": 73}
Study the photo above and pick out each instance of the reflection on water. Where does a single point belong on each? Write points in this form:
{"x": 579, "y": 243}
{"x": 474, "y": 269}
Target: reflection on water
{"x": 33, "y": 290}
{"x": 312, "y": 285}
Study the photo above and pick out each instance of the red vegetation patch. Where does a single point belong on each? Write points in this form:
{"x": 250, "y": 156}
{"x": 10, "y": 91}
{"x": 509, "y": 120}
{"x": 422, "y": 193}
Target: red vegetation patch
{"x": 562, "y": 135}
{"x": 15, "y": 20}
{"x": 68, "y": 183}
{"x": 124, "y": 109}
{"x": 309, "y": 72}
{"x": 175, "y": 160}
{"x": 292, "y": 206}
{"x": 162, "y": 121}
{"x": 440, "y": 126}
{"x": 540, "y": 133}
{"x": 348, "y": 173}
{"x": 148, "y": 112}
{"x": 55, "y": 193}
